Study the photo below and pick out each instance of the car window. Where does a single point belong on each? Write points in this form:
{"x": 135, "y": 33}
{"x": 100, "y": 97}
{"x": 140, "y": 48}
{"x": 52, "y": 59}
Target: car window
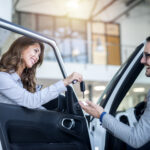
{"x": 110, "y": 86}
{"x": 137, "y": 93}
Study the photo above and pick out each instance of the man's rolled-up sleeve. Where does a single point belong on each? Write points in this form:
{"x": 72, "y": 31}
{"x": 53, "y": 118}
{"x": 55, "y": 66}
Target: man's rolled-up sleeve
{"x": 134, "y": 136}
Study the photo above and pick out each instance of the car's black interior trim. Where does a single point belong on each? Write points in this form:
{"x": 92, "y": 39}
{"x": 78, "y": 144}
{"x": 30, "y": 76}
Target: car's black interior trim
{"x": 32, "y": 127}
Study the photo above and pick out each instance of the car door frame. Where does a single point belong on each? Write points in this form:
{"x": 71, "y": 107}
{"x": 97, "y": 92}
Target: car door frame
{"x": 110, "y": 98}
{"x": 24, "y": 31}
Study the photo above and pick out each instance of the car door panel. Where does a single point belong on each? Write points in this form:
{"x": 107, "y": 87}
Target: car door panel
{"x": 32, "y": 129}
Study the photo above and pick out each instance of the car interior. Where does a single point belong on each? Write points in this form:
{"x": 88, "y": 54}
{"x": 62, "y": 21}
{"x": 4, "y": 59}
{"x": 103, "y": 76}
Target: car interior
{"x": 61, "y": 126}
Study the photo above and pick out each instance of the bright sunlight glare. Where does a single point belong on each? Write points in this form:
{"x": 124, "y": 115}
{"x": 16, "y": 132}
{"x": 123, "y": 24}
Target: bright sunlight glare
{"x": 73, "y": 4}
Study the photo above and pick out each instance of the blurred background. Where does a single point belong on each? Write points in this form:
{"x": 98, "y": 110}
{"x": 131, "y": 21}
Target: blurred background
{"x": 95, "y": 37}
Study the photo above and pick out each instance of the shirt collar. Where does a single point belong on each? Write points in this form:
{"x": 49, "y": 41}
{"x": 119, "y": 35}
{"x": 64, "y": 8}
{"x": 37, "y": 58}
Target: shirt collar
{"x": 15, "y": 76}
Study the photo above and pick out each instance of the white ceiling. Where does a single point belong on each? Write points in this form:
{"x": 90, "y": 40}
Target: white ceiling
{"x": 104, "y": 10}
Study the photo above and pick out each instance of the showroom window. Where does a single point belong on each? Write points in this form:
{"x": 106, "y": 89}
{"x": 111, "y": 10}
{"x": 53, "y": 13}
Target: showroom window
{"x": 71, "y": 38}
{"x": 105, "y": 43}
{"x": 69, "y": 34}
{"x": 28, "y": 20}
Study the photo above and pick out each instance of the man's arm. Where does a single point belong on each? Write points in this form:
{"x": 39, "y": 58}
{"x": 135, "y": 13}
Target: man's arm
{"x": 134, "y": 136}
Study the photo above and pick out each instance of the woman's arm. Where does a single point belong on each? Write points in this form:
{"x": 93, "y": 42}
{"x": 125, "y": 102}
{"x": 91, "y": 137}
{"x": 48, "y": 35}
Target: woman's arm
{"x": 12, "y": 91}
{"x": 19, "y": 95}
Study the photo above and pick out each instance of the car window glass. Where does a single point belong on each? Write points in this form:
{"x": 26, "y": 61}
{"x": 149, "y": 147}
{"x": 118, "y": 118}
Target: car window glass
{"x": 111, "y": 84}
{"x": 137, "y": 93}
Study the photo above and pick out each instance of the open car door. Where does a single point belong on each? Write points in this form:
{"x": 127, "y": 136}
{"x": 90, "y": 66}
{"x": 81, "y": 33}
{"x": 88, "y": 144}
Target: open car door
{"x": 61, "y": 127}
{"x": 111, "y": 98}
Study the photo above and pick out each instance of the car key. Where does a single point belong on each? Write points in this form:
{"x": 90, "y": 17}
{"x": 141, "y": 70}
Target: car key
{"x": 82, "y": 87}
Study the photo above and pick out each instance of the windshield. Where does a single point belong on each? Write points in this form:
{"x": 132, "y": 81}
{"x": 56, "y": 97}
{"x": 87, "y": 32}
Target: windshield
{"x": 111, "y": 84}
{"x": 110, "y": 87}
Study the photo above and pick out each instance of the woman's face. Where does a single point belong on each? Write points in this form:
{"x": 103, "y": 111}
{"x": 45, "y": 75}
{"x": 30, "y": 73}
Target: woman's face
{"x": 30, "y": 55}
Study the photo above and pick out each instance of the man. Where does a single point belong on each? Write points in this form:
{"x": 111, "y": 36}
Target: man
{"x": 138, "y": 112}
{"x": 134, "y": 136}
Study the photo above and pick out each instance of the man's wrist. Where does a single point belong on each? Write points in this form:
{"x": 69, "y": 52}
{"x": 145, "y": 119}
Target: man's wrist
{"x": 101, "y": 116}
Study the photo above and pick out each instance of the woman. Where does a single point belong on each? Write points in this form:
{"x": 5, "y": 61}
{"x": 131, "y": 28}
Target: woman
{"x": 17, "y": 75}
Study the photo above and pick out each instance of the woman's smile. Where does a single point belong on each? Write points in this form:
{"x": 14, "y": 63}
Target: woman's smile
{"x": 30, "y": 56}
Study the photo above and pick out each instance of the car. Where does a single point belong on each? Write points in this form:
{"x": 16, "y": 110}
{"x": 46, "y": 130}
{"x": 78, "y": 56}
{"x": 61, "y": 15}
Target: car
{"x": 116, "y": 92}
{"x": 64, "y": 126}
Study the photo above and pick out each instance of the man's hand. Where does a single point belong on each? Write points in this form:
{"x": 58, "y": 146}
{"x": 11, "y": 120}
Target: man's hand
{"x": 91, "y": 108}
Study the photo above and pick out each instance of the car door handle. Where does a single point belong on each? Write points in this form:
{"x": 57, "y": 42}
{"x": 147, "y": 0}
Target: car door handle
{"x": 68, "y": 123}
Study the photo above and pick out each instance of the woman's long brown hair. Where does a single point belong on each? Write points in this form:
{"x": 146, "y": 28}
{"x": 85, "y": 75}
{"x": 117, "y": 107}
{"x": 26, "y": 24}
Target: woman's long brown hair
{"x": 11, "y": 60}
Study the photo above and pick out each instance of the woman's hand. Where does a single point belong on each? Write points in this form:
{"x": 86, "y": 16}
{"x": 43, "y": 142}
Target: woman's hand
{"x": 92, "y": 109}
{"x": 73, "y": 76}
